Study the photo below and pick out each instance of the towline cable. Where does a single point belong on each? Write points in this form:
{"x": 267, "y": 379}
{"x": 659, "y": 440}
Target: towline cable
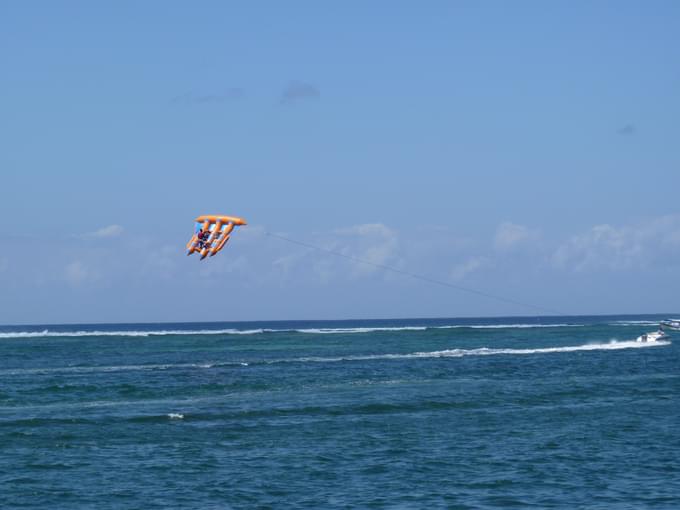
{"x": 417, "y": 276}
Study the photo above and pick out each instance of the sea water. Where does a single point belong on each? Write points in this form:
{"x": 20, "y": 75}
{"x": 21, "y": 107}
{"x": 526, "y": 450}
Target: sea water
{"x": 565, "y": 412}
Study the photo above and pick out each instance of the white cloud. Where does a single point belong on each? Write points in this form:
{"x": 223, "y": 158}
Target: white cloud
{"x": 352, "y": 251}
{"x": 373, "y": 243}
{"x": 655, "y": 241}
{"x": 511, "y": 235}
{"x": 472, "y": 264}
{"x": 110, "y": 231}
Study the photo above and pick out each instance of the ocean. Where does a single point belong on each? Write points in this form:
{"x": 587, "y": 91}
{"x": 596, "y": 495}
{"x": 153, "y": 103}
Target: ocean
{"x": 562, "y": 412}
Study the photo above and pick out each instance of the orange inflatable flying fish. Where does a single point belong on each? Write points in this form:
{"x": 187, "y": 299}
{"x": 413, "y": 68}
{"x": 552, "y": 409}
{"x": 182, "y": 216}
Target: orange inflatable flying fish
{"x": 212, "y": 233}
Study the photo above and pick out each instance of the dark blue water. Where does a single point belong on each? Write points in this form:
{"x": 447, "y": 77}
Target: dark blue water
{"x": 568, "y": 412}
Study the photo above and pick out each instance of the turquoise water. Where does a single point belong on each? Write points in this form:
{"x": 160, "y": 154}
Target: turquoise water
{"x": 449, "y": 413}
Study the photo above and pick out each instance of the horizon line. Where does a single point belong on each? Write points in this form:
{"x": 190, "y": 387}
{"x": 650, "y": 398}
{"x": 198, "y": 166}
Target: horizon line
{"x": 482, "y": 317}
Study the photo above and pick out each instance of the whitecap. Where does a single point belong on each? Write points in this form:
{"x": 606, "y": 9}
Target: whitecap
{"x": 231, "y": 331}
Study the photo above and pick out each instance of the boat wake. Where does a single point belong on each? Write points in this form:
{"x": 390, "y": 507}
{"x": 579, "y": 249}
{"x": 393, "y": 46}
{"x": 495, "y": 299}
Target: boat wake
{"x": 487, "y": 351}
{"x": 447, "y": 353}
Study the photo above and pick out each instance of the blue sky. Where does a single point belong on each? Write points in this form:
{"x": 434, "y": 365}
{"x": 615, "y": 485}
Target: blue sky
{"x": 524, "y": 149}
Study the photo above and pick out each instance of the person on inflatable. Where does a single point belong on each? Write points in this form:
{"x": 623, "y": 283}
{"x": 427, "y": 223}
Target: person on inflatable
{"x": 202, "y": 238}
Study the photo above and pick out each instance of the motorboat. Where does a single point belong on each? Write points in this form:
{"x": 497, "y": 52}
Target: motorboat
{"x": 671, "y": 324}
{"x": 654, "y": 336}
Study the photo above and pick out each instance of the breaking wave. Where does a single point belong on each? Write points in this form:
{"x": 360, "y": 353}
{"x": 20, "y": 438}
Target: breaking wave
{"x": 635, "y": 323}
{"x": 327, "y": 331}
{"x": 46, "y": 333}
{"x": 118, "y": 368}
{"x": 511, "y": 326}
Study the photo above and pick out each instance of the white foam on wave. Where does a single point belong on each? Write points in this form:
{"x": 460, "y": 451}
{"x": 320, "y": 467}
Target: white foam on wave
{"x": 313, "y": 331}
{"x": 487, "y": 351}
{"x": 511, "y": 326}
{"x": 424, "y": 328}
{"x": 116, "y": 368}
{"x": 446, "y": 353}
{"x": 47, "y": 333}
{"x": 635, "y": 323}
{"x": 175, "y": 416}
{"x": 330, "y": 331}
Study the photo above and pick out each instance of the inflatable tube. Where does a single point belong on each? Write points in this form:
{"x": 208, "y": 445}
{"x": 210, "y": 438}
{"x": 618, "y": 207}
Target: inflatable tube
{"x": 218, "y": 229}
